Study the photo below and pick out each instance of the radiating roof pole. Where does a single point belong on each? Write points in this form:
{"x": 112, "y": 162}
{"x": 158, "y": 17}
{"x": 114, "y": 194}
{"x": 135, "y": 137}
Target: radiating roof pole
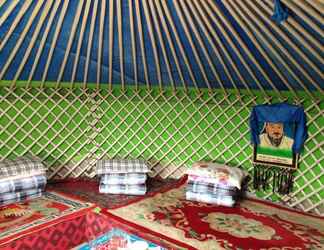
{"x": 100, "y": 41}
{"x": 120, "y": 43}
{"x": 91, "y": 34}
{"x": 142, "y": 43}
{"x": 153, "y": 43}
{"x": 111, "y": 44}
{"x": 16, "y": 21}
{"x": 133, "y": 42}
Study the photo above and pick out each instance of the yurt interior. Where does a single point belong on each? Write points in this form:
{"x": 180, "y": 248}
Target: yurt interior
{"x": 161, "y": 124}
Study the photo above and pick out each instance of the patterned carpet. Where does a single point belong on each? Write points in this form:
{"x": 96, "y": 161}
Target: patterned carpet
{"x": 53, "y": 221}
{"x": 60, "y": 220}
{"x": 251, "y": 224}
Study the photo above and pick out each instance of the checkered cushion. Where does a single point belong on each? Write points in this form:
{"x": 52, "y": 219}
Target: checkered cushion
{"x": 9, "y": 186}
{"x": 9, "y": 198}
{"x": 122, "y": 189}
{"x": 17, "y": 177}
{"x": 128, "y": 178}
{"x": 21, "y": 166}
{"x": 121, "y": 166}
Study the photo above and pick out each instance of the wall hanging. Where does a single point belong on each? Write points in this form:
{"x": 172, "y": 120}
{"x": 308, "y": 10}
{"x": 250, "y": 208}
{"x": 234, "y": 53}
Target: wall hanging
{"x": 278, "y": 132}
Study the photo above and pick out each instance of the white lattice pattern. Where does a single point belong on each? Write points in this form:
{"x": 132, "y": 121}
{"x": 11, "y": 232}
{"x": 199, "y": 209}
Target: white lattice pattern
{"x": 71, "y": 129}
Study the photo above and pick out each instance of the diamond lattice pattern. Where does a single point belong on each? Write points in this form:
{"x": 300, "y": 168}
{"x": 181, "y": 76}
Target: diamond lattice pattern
{"x": 71, "y": 129}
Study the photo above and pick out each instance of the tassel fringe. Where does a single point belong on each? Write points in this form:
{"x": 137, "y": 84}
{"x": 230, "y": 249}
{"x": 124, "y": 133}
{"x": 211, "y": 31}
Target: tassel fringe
{"x": 282, "y": 179}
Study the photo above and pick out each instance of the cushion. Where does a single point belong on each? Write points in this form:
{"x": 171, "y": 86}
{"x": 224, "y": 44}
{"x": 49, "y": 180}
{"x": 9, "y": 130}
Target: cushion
{"x": 122, "y": 189}
{"x": 227, "y": 201}
{"x": 121, "y": 166}
{"x": 17, "y": 177}
{"x": 210, "y": 188}
{"x": 24, "y": 183}
{"x": 21, "y": 166}
{"x": 220, "y": 173}
{"x": 9, "y": 198}
{"x": 121, "y": 178}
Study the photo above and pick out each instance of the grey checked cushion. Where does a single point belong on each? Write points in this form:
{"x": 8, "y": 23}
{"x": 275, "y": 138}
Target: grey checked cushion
{"x": 21, "y": 166}
{"x": 124, "y": 178}
{"x": 121, "y": 166}
{"x": 123, "y": 189}
{"x": 213, "y": 189}
{"x": 24, "y": 183}
{"x": 9, "y": 198}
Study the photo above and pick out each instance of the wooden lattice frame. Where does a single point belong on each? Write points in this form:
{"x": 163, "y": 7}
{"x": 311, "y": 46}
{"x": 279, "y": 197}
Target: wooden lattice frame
{"x": 71, "y": 129}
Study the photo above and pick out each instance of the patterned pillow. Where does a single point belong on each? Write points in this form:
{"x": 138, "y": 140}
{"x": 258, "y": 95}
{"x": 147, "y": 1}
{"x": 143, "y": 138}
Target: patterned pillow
{"x": 21, "y": 166}
{"x": 220, "y": 173}
{"x": 121, "y": 166}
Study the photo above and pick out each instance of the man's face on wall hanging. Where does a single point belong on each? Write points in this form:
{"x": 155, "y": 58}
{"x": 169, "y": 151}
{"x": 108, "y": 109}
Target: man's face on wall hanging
{"x": 274, "y": 132}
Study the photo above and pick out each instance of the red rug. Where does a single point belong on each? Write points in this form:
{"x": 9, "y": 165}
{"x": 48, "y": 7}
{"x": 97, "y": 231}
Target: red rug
{"x": 252, "y": 224}
{"x": 38, "y": 218}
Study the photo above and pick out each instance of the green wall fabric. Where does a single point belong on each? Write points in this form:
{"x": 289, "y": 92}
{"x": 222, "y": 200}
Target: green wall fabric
{"x": 67, "y": 127}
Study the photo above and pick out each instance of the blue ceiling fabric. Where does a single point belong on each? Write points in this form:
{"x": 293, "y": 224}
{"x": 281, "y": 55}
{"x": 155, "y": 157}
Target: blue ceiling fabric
{"x": 190, "y": 43}
{"x": 280, "y": 12}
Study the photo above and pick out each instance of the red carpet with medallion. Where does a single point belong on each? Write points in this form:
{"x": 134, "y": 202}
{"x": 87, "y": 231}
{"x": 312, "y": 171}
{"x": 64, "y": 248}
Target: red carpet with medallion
{"x": 252, "y": 224}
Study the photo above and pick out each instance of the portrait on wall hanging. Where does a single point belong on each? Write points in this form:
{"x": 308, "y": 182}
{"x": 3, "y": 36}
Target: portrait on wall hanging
{"x": 276, "y": 144}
